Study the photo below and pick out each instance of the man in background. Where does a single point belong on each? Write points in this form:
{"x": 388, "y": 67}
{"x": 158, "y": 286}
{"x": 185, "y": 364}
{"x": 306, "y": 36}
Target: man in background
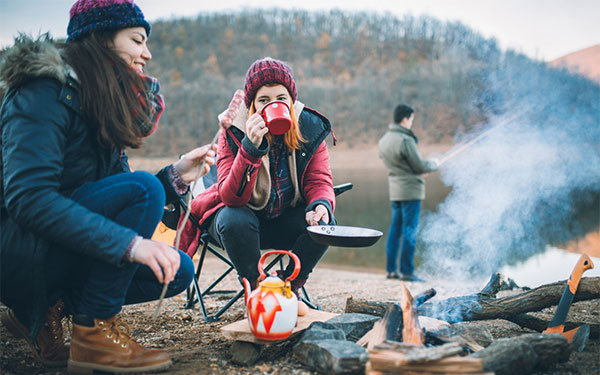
{"x": 398, "y": 149}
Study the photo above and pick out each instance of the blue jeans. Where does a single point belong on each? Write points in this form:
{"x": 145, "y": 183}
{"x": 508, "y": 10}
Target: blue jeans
{"x": 405, "y": 220}
{"x": 99, "y": 289}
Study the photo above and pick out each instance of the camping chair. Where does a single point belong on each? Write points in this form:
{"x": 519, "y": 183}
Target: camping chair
{"x": 209, "y": 244}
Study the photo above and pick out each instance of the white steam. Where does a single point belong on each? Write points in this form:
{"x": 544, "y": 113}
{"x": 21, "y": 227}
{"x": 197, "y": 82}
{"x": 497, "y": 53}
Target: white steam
{"x": 520, "y": 187}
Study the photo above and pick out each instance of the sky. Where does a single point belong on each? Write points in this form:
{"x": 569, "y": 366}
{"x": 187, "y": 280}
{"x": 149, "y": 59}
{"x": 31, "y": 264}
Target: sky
{"x": 541, "y": 29}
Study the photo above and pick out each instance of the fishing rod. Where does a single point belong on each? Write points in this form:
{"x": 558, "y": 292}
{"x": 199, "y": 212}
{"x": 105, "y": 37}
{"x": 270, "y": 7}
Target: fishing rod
{"x": 465, "y": 146}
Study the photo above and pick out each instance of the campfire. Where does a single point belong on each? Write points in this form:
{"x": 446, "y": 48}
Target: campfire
{"x": 422, "y": 335}
{"x": 410, "y": 339}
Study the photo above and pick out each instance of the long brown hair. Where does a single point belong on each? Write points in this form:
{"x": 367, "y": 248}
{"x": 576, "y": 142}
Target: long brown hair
{"x": 293, "y": 137}
{"x": 109, "y": 90}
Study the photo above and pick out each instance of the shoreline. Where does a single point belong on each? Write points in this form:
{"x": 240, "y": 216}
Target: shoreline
{"x": 340, "y": 157}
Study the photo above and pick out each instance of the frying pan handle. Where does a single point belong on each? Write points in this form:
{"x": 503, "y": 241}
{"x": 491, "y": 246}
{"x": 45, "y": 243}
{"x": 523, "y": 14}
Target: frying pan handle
{"x": 263, "y": 258}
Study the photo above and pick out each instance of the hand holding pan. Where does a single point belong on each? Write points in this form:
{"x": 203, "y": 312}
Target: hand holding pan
{"x": 343, "y": 236}
{"x": 578, "y": 335}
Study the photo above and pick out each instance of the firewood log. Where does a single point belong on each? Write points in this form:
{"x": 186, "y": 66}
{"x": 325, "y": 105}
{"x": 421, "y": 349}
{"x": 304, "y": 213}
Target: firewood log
{"x": 411, "y": 354}
{"x": 472, "y": 338}
{"x": 537, "y": 324}
{"x": 395, "y": 362}
{"x": 411, "y": 330}
{"x": 384, "y": 329}
{"x": 480, "y": 306}
{"x": 390, "y": 326}
{"x": 378, "y": 308}
{"x": 519, "y": 355}
{"x": 523, "y": 354}
{"x": 469, "y": 308}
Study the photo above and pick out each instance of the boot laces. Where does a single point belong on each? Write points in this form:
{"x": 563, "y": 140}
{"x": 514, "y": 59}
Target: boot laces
{"x": 54, "y": 318}
{"x": 118, "y": 331}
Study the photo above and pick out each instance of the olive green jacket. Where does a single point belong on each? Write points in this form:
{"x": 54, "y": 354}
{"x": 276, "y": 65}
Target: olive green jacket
{"x": 398, "y": 150}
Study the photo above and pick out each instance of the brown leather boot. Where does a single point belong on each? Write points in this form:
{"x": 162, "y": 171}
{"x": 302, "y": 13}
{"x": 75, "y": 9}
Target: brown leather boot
{"x": 106, "y": 345}
{"x": 49, "y": 347}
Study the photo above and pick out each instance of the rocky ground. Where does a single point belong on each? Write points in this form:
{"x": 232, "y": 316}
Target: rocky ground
{"x": 198, "y": 347}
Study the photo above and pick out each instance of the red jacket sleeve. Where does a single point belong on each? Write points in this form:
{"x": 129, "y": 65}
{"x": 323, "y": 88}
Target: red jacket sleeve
{"x": 317, "y": 182}
{"x": 236, "y": 174}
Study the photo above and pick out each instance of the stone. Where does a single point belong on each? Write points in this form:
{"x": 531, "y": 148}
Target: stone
{"x": 354, "y": 325}
{"x": 323, "y": 331}
{"x": 332, "y": 356}
{"x": 244, "y": 353}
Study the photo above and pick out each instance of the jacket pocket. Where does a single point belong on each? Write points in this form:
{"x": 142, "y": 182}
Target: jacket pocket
{"x": 247, "y": 173}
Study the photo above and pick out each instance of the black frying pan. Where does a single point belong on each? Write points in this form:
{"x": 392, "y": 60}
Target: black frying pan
{"x": 339, "y": 235}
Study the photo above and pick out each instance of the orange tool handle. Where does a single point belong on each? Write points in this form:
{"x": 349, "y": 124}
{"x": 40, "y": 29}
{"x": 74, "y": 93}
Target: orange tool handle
{"x": 583, "y": 264}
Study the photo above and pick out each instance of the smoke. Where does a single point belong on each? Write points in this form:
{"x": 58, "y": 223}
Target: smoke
{"x": 527, "y": 182}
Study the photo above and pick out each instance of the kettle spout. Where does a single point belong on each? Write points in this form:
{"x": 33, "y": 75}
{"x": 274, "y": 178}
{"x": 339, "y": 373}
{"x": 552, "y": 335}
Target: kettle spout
{"x": 247, "y": 290}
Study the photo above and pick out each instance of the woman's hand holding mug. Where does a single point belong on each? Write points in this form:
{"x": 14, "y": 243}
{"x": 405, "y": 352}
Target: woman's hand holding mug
{"x": 256, "y": 129}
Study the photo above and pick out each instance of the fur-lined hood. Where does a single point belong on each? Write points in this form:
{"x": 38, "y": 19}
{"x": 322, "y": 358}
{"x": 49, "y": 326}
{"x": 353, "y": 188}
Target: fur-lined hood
{"x": 29, "y": 58}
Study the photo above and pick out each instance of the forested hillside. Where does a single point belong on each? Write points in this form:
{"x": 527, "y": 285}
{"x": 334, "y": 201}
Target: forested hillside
{"x": 352, "y": 67}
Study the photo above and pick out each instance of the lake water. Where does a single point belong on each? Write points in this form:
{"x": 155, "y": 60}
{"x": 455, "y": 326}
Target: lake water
{"x": 552, "y": 265}
{"x": 367, "y": 205}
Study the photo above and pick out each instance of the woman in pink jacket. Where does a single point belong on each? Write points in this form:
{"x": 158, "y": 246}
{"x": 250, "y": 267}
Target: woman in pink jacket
{"x": 270, "y": 187}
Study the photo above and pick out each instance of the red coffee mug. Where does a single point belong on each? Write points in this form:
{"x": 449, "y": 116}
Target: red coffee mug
{"x": 277, "y": 117}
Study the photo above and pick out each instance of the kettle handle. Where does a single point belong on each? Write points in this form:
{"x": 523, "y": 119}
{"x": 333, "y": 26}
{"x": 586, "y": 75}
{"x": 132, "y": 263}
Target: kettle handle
{"x": 294, "y": 257}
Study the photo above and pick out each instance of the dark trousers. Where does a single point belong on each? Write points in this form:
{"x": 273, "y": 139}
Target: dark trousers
{"x": 405, "y": 220}
{"x": 243, "y": 234}
{"x": 99, "y": 289}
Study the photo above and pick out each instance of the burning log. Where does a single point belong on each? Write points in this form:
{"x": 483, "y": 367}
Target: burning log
{"x": 411, "y": 331}
{"x": 384, "y": 329}
{"x": 484, "y": 305}
{"x": 391, "y": 324}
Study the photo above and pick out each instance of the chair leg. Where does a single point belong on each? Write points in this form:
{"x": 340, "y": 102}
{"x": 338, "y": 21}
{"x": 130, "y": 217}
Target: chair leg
{"x": 196, "y": 288}
{"x": 217, "y": 315}
{"x": 194, "y": 292}
{"x": 306, "y": 299}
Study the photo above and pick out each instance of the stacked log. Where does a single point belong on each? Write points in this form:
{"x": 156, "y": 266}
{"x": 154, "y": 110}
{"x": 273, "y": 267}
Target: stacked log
{"x": 484, "y": 305}
{"x": 394, "y": 358}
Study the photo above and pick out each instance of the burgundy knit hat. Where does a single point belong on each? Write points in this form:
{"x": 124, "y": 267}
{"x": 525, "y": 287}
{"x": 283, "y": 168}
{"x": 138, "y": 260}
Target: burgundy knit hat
{"x": 268, "y": 71}
{"x": 93, "y": 15}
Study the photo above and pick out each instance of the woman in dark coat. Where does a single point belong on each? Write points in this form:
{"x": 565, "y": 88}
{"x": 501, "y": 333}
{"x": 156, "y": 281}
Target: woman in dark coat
{"x": 76, "y": 223}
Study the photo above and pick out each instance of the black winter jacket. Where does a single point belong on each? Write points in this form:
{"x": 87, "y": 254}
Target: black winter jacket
{"x": 48, "y": 151}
